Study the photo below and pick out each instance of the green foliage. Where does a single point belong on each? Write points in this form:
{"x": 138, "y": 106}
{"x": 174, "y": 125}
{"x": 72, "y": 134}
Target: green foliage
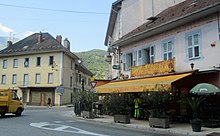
{"x": 94, "y": 61}
{"x": 115, "y": 103}
{"x": 158, "y": 100}
{"x": 194, "y": 103}
{"x": 87, "y": 98}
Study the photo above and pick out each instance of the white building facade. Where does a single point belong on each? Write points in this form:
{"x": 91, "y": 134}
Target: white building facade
{"x": 127, "y": 15}
{"x": 190, "y": 35}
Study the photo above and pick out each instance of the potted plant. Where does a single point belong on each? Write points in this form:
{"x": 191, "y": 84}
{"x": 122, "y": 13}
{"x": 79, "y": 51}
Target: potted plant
{"x": 86, "y": 100}
{"x": 158, "y": 99}
{"x": 194, "y": 103}
{"x": 116, "y": 104}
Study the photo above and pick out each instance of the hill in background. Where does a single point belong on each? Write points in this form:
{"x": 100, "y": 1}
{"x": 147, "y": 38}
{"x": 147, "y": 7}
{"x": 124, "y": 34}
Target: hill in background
{"x": 94, "y": 61}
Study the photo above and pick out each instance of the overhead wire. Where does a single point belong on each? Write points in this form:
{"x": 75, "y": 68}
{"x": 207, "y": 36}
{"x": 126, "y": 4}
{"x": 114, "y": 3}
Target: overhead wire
{"x": 56, "y": 10}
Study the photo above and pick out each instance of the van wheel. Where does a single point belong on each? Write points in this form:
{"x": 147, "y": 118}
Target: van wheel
{"x": 18, "y": 112}
{"x": 2, "y": 114}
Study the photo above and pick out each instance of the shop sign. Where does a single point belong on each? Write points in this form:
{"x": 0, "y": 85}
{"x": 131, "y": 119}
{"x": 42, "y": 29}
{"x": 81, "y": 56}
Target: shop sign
{"x": 116, "y": 67}
{"x": 161, "y": 67}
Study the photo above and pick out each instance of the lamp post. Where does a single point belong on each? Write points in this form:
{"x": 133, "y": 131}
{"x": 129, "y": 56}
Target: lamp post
{"x": 77, "y": 72}
{"x": 192, "y": 65}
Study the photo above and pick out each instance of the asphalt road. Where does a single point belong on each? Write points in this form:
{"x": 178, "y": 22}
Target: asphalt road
{"x": 61, "y": 122}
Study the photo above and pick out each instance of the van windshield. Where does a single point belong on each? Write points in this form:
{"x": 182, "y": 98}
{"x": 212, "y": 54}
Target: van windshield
{"x": 14, "y": 96}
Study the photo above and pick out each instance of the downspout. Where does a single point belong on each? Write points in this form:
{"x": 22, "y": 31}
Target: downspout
{"x": 61, "y": 76}
{"x": 218, "y": 25}
{"x": 61, "y": 69}
{"x": 152, "y": 8}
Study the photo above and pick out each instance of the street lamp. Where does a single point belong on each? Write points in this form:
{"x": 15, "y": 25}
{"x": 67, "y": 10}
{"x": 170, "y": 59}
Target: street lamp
{"x": 54, "y": 66}
{"x": 192, "y": 65}
{"x": 77, "y": 72}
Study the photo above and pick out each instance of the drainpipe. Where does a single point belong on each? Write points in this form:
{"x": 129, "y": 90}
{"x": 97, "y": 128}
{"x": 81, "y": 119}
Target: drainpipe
{"x": 119, "y": 61}
{"x": 218, "y": 25}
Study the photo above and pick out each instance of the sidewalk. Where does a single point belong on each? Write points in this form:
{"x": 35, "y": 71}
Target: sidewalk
{"x": 30, "y": 107}
{"x": 177, "y": 128}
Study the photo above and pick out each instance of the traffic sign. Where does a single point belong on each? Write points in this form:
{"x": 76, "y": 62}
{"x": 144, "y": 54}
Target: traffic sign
{"x": 60, "y": 89}
{"x": 93, "y": 83}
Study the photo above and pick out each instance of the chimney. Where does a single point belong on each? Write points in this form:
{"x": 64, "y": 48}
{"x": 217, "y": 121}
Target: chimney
{"x": 67, "y": 44}
{"x": 40, "y": 37}
{"x": 59, "y": 39}
{"x": 9, "y": 43}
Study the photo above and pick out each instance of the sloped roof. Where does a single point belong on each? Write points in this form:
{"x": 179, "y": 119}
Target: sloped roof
{"x": 172, "y": 17}
{"x": 30, "y": 45}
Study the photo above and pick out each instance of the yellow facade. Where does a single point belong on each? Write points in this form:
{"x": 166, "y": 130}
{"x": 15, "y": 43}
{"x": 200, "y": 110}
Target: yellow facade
{"x": 39, "y": 67}
{"x": 38, "y": 93}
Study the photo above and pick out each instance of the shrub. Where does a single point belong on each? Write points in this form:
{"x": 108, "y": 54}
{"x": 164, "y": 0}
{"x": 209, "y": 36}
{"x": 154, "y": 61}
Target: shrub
{"x": 158, "y": 100}
{"x": 87, "y": 98}
{"x": 115, "y": 103}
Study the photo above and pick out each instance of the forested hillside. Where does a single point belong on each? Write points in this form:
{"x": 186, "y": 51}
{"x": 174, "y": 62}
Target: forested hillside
{"x": 94, "y": 60}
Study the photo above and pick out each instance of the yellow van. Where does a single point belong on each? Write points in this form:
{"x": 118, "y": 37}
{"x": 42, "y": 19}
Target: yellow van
{"x": 10, "y": 103}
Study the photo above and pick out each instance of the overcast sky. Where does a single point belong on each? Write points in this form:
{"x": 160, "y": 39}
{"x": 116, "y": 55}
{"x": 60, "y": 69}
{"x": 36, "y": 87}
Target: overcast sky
{"x": 83, "y": 22}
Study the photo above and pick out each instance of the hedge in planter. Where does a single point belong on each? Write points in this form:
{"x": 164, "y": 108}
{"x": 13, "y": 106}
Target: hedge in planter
{"x": 116, "y": 104}
{"x": 158, "y": 99}
{"x": 86, "y": 98}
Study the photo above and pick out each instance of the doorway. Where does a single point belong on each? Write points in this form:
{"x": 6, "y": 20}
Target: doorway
{"x": 42, "y": 99}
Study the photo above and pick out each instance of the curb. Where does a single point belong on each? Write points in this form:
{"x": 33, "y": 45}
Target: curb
{"x": 170, "y": 130}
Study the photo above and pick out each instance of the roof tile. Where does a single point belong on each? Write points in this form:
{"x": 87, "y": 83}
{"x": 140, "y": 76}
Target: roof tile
{"x": 30, "y": 44}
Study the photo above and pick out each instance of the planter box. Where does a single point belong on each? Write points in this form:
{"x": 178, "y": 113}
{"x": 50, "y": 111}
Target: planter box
{"x": 87, "y": 114}
{"x": 122, "y": 118}
{"x": 159, "y": 122}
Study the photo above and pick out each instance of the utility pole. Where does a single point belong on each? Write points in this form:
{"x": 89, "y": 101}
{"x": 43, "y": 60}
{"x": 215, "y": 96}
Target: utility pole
{"x": 152, "y": 7}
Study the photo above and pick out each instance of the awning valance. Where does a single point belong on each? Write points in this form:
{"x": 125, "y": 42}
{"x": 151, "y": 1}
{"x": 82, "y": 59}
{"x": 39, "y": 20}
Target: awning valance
{"x": 139, "y": 85}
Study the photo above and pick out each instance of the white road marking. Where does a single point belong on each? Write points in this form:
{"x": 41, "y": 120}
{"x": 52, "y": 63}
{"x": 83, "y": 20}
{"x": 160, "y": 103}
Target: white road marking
{"x": 63, "y": 128}
{"x": 57, "y": 121}
{"x": 70, "y": 121}
{"x": 79, "y": 120}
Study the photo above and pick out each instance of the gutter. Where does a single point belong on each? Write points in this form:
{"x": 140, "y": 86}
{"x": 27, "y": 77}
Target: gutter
{"x": 169, "y": 25}
{"x": 32, "y": 52}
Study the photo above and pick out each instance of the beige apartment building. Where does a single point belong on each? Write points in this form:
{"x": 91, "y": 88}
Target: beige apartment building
{"x": 39, "y": 67}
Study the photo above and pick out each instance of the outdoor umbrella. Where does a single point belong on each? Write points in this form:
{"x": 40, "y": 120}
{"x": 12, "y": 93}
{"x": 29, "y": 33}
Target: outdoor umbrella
{"x": 205, "y": 89}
